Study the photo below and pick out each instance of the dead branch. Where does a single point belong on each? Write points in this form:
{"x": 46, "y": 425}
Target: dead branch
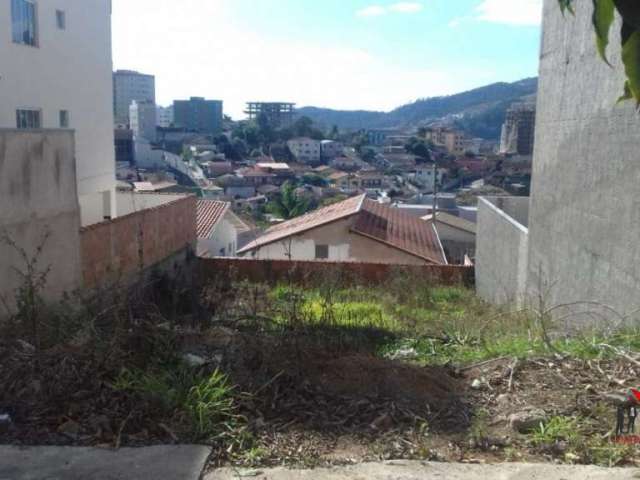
{"x": 620, "y": 353}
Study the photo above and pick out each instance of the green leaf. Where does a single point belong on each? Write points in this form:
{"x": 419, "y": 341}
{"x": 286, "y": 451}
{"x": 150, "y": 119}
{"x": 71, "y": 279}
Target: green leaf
{"x": 631, "y": 60}
{"x": 627, "y": 93}
{"x": 603, "y": 16}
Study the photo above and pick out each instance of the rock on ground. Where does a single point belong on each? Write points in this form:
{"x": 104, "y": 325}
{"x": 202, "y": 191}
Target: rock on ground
{"x": 170, "y": 462}
{"x": 406, "y": 470}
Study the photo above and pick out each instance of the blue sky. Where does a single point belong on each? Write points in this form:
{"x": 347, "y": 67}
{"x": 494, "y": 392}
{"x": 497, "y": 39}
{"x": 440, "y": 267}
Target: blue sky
{"x": 345, "y": 54}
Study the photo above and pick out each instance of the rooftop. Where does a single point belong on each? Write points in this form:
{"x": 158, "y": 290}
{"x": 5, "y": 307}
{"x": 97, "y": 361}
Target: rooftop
{"x": 376, "y": 221}
{"x": 208, "y": 214}
{"x": 453, "y": 221}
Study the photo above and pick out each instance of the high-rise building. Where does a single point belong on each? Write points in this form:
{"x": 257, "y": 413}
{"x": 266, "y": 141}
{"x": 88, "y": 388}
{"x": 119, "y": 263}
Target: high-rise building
{"x": 39, "y": 90}
{"x": 164, "y": 117}
{"x": 279, "y": 114}
{"x": 451, "y": 139}
{"x": 518, "y": 131}
{"x": 127, "y": 87}
{"x": 142, "y": 118}
{"x": 198, "y": 115}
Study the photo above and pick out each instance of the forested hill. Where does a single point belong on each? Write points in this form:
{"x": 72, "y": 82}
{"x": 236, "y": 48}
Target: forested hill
{"x": 480, "y": 112}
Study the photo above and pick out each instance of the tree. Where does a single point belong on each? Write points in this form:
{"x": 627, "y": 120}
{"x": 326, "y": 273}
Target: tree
{"x": 313, "y": 179}
{"x": 287, "y": 204}
{"x": 419, "y": 148}
{"x": 249, "y": 133}
{"x": 335, "y": 133}
{"x": 367, "y": 154}
{"x": 303, "y": 127}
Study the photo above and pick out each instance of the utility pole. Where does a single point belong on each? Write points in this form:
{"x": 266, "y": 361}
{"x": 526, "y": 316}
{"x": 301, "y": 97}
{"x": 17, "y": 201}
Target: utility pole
{"x": 435, "y": 189}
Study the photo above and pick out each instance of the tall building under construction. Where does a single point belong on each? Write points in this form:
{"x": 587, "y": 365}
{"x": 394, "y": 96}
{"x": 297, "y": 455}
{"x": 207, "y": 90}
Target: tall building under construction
{"x": 280, "y": 114}
{"x": 518, "y": 131}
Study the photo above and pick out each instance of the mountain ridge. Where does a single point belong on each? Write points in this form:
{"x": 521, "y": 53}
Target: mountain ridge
{"x": 480, "y": 111}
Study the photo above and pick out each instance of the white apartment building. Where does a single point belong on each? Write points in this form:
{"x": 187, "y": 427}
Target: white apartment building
{"x": 142, "y": 117}
{"x": 164, "y": 116}
{"x": 128, "y": 86}
{"x": 56, "y": 72}
{"x": 331, "y": 149}
{"x": 305, "y": 150}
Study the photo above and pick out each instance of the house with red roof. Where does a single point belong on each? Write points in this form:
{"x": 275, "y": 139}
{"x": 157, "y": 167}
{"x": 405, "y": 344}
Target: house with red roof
{"x": 218, "y": 229}
{"x": 354, "y": 230}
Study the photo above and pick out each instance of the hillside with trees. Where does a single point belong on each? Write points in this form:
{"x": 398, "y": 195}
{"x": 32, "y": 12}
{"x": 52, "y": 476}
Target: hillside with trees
{"x": 480, "y": 112}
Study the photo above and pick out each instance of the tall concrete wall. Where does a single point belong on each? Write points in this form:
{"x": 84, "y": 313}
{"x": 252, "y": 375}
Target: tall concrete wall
{"x": 37, "y": 195}
{"x": 501, "y": 250}
{"x": 585, "y": 207}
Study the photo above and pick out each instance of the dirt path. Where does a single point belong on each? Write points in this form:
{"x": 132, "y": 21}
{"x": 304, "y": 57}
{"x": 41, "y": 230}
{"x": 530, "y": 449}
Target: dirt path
{"x": 401, "y": 470}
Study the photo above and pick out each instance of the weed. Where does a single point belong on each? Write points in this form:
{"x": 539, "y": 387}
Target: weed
{"x": 557, "y": 429}
{"x": 478, "y": 433}
{"x": 599, "y": 450}
{"x": 33, "y": 280}
{"x": 211, "y": 406}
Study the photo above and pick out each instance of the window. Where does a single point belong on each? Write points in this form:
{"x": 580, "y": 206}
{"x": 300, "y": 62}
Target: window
{"x": 322, "y": 252}
{"x": 61, "y": 19}
{"x": 28, "y": 119}
{"x": 64, "y": 118}
{"x": 23, "y": 22}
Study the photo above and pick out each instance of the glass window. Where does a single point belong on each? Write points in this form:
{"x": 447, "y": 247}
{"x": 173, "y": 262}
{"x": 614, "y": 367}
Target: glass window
{"x": 23, "y": 22}
{"x": 61, "y": 19}
{"x": 64, "y": 119}
{"x": 28, "y": 119}
{"x": 322, "y": 252}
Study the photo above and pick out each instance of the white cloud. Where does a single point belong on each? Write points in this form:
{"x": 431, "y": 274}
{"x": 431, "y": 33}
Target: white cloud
{"x": 197, "y": 48}
{"x": 372, "y": 11}
{"x": 400, "y": 7}
{"x": 406, "y": 7}
{"x": 511, "y": 12}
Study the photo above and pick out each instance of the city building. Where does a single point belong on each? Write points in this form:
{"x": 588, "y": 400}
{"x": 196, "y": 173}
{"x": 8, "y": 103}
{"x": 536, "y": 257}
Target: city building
{"x": 38, "y": 90}
{"x": 164, "y": 116}
{"x": 279, "y": 114}
{"x": 518, "y": 131}
{"x": 452, "y": 140}
{"x": 125, "y": 151}
{"x": 142, "y": 119}
{"x": 305, "y": 150}
{"x": 128, "y": 86}
{"x": 330, "y": 149}
{"x": 58, "y": 194}
{"x": 198, "y": 115}
{"x": 356, "y": 229}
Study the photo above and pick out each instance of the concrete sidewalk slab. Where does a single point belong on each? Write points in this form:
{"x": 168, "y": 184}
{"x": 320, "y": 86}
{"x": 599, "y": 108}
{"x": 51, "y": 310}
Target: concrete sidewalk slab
{"x": 401, "y": 470}
{"x": 167, "y": 462}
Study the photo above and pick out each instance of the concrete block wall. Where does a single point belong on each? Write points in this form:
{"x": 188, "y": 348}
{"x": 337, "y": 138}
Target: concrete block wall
{"x": 117, "y": 249}
{"x": 38, "y": 194}
{"x": 584, "y": 224}
{"x": 501, "y": 250}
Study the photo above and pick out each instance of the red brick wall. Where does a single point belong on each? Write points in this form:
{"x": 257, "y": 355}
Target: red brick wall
{"x": 272, "y": 271}
{"x": 117, "y": 248}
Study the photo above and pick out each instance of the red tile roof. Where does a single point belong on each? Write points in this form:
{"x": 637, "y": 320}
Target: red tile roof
{"x": 376, "y": 221}
{"x": 306, "y": 222}
{"x": 400, "y": 230}
{"x": 209, "y": 213}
